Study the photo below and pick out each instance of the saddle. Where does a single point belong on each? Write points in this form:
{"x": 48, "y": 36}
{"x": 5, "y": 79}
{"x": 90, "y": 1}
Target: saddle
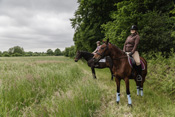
{"x": 132, "y": 63}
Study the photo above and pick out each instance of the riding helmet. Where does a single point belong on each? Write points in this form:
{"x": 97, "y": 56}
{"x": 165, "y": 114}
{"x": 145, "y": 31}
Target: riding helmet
{"x": 98, "y": 42}
{"x": 134, "y": 27}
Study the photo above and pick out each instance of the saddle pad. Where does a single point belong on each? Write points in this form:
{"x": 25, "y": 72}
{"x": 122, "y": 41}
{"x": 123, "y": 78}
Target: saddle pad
{"x": 102, "y": 60}
{"x": 132, "y": 62}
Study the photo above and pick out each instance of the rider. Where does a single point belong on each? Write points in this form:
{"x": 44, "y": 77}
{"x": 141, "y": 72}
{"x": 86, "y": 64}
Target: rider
{"x": 130, "y": 47}
{"x": 95, "y": 51}
{"x": 98, "y": 47}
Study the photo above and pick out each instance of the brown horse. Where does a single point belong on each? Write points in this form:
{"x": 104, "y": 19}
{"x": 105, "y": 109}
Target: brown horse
{"x": 89, "y": 58}
{"x": 121, "y": 68}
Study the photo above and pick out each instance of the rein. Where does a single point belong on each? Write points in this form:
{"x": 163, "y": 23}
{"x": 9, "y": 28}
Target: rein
{"x": 103, "y": 52}
{"x": 119, "y": 58}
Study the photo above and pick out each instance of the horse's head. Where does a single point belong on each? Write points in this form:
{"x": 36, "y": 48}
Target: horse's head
{"x": 78, "y": 56}
{"x": 102, "y": 52}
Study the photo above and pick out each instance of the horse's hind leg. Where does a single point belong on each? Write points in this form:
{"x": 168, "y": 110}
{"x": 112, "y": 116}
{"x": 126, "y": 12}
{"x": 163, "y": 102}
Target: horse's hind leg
{"x": 141, "y": 86}
{"x": 118, "y": 90}
{"x": 128, "y": 91}
{"x": 138, "y": 87}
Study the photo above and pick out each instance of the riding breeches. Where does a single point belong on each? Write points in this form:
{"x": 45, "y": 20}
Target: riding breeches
{"x": 136, "y": 57}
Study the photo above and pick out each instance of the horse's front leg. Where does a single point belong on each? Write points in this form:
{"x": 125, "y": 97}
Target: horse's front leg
{"x": 117, "y": 80}
{"x": 111, "y": 73}
{"x": 93, "y": 72}
{"x": 128, "y": 91}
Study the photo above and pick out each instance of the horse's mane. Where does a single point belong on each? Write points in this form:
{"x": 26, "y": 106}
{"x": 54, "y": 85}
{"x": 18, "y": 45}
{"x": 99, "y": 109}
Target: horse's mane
{"x": 85, "y": 52}
{"x": 86, "y": 55}
{"x": 117, "y": 47}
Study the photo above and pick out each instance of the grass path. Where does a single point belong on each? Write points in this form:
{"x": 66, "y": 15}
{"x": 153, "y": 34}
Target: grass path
{"x": 152, "y": 104}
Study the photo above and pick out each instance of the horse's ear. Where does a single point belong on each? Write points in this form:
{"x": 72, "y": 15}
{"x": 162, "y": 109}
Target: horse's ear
{"x": 107, "y": 41}
{"x": 78, "y": 51}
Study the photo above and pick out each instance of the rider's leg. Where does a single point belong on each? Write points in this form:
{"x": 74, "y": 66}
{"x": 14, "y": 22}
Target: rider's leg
{"x": 138, "y": 63}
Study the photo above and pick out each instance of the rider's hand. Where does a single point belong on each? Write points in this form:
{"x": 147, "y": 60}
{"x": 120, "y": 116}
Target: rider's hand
{"x": 130, "y": 54}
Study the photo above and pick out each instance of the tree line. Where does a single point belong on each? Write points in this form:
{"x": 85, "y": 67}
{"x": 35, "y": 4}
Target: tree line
{"x": 102, "y": 19}
{"x": 19, "y": 51}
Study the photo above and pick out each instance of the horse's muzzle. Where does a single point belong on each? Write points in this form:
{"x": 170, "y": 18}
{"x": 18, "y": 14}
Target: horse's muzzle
{"x": 76, "y": 60}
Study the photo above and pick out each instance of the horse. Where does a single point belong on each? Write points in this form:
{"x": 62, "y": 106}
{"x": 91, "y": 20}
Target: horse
{"x": 121, "y": 68}
{"x": 89, "y": 58}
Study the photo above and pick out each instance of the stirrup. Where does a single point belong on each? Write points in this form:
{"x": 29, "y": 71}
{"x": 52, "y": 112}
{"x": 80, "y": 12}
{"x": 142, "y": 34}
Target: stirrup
{"x": 139, "y": 78}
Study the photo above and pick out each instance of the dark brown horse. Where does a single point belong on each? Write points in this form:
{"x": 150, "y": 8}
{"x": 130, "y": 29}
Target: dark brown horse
{"x": 121, "y": 68}
{"x": 89, "y": 58}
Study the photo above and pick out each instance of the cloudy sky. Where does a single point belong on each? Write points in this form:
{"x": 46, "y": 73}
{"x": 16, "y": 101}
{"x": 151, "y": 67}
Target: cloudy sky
{"x": 36, "y": 25}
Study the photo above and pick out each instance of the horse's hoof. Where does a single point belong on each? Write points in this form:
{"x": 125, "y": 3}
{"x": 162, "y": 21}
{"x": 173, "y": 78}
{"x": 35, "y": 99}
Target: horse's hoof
{"x": 117, "y": 102}
{"x": 129, "y": 105}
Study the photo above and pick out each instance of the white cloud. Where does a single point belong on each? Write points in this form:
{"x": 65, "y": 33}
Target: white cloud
{"x": 36, "y": 25}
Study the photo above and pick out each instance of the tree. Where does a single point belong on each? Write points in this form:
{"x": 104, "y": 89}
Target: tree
{"x": 69, "y": 51}
{"x": 89, "y": 17}
{"x": 0, "y": 53}
{"x": 16, "y": 51}
{"x": 50, "y": 52}
{"x": 57, "y": 52}
{"x": 5, "y": 54}
{"x": 28, "y": 53}
{"x": 151, "y": 17}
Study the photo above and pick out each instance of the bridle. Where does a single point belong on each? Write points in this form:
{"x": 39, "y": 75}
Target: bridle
{"x": 102, "y": 54}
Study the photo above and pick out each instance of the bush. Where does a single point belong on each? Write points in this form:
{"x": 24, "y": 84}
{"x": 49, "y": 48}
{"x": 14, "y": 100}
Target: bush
{"x": 161, "y": 73}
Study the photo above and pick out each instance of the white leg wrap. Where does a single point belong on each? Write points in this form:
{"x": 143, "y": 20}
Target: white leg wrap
{"x": 138, "y": 90}
{"x": 141, "y": 91}
{"x": 129, "y": 99}
{"x": 118, "y": 97}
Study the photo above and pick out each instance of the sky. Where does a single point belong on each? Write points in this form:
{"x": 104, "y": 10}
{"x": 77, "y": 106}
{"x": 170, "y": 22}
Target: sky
{"x": 36, "y": 25}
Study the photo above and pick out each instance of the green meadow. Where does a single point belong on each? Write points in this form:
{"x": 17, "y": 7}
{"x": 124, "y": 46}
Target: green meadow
{"x": 60, "y": 87}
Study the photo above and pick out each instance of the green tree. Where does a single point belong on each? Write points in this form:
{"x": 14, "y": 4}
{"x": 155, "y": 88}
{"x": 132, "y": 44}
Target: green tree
{"x": 16, "y": 51}
{"x": 57, "y": 52}
{"x": 69, "y": 51}
{"x": 151, "y": 17}
{"x": 89, "y": 17}
{"x": 5, "y": 54}
{"x": 0, "y": 53}
{"x": 28, "y": 53}
{"x": 50, "y": 52}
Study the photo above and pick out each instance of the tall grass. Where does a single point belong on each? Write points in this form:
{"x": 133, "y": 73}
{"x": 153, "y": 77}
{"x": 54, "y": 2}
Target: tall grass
{"x": 161, "y": 72}
{"x": 34, "y": 86}
{"x": 57, "y": 86}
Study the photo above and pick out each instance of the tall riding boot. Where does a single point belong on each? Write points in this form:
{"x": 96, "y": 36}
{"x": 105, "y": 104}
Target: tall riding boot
{"x": 139, "y": 71}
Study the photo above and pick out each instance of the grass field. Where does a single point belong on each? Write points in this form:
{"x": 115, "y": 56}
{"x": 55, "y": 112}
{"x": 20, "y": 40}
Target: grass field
{"x": 57, "y": 86}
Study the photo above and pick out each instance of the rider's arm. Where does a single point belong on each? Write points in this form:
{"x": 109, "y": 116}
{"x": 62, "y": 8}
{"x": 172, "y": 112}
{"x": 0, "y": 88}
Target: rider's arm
{"x": 95, "y": 51}
{"x": 136, "y": 44}
{"x": 124, "y": 46}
